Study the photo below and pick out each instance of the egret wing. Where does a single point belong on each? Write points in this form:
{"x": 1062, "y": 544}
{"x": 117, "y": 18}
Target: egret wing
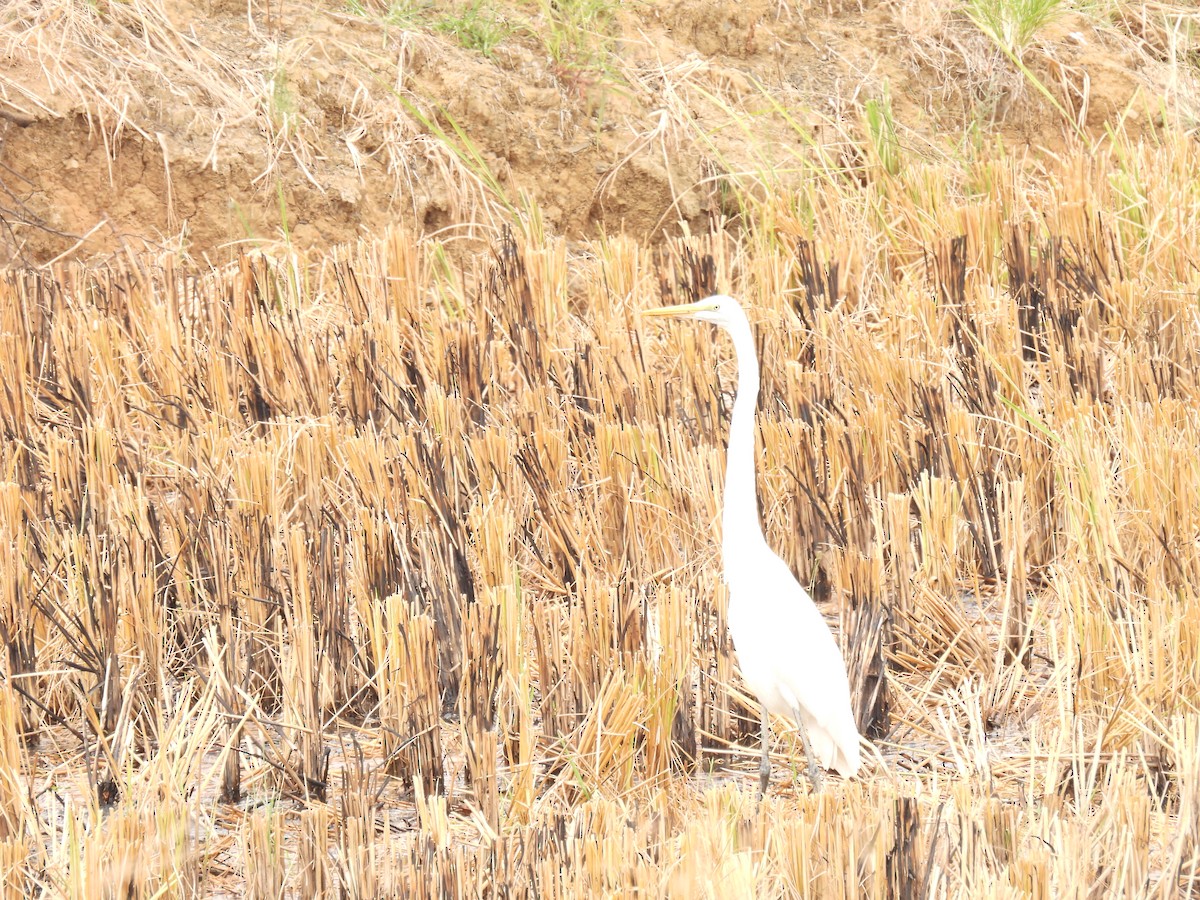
{"x": 790, "y": 659}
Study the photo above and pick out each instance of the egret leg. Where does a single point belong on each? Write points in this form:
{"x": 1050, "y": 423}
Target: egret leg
{"x": 764, "y": 767}
{"x": 814, "y": 773}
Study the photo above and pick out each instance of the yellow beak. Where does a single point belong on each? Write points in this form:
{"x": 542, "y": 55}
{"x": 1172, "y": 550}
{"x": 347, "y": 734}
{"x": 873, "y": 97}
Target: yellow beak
{"x": 683, "y": 309}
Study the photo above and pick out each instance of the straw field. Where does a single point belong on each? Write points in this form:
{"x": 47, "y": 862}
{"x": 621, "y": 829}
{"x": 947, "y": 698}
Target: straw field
{"x": 370, "y": 574}
{"x": 392, "y": 568}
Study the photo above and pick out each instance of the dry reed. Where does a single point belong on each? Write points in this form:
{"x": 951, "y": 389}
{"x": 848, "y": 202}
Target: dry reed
{"x": 364, "y": 575}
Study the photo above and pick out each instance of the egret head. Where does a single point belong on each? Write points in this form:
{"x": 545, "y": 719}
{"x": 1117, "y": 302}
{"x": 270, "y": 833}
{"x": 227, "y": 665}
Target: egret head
{"x": 718, "y": 309}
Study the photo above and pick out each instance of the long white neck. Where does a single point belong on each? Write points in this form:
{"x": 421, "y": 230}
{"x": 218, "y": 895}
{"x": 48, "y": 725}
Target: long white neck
{"x": 740, "y": 520}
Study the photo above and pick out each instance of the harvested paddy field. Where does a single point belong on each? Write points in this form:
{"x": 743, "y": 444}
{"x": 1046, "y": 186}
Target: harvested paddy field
{"x": 359, "y": 538}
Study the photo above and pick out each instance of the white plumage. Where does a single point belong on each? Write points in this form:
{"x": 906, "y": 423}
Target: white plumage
{"x": 789, "y": 659}
{"x": 785, "y": 650}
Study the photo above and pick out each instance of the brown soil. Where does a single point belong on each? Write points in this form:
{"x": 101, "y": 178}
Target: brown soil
{"x": 204, "y": 125}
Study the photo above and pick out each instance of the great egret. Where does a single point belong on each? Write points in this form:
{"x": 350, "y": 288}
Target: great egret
{"x": 786, "y": 652}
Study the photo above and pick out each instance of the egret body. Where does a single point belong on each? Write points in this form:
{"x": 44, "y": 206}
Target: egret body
{"x": 785, "y": 650}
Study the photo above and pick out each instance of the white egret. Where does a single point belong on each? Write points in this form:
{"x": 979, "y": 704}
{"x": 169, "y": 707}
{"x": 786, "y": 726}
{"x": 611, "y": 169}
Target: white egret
{"x": 786, "y": 652}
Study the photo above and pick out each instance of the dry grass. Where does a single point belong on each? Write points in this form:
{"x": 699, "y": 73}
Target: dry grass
{"x": 202, "y": 127}
{"x": 363, "y": 574}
